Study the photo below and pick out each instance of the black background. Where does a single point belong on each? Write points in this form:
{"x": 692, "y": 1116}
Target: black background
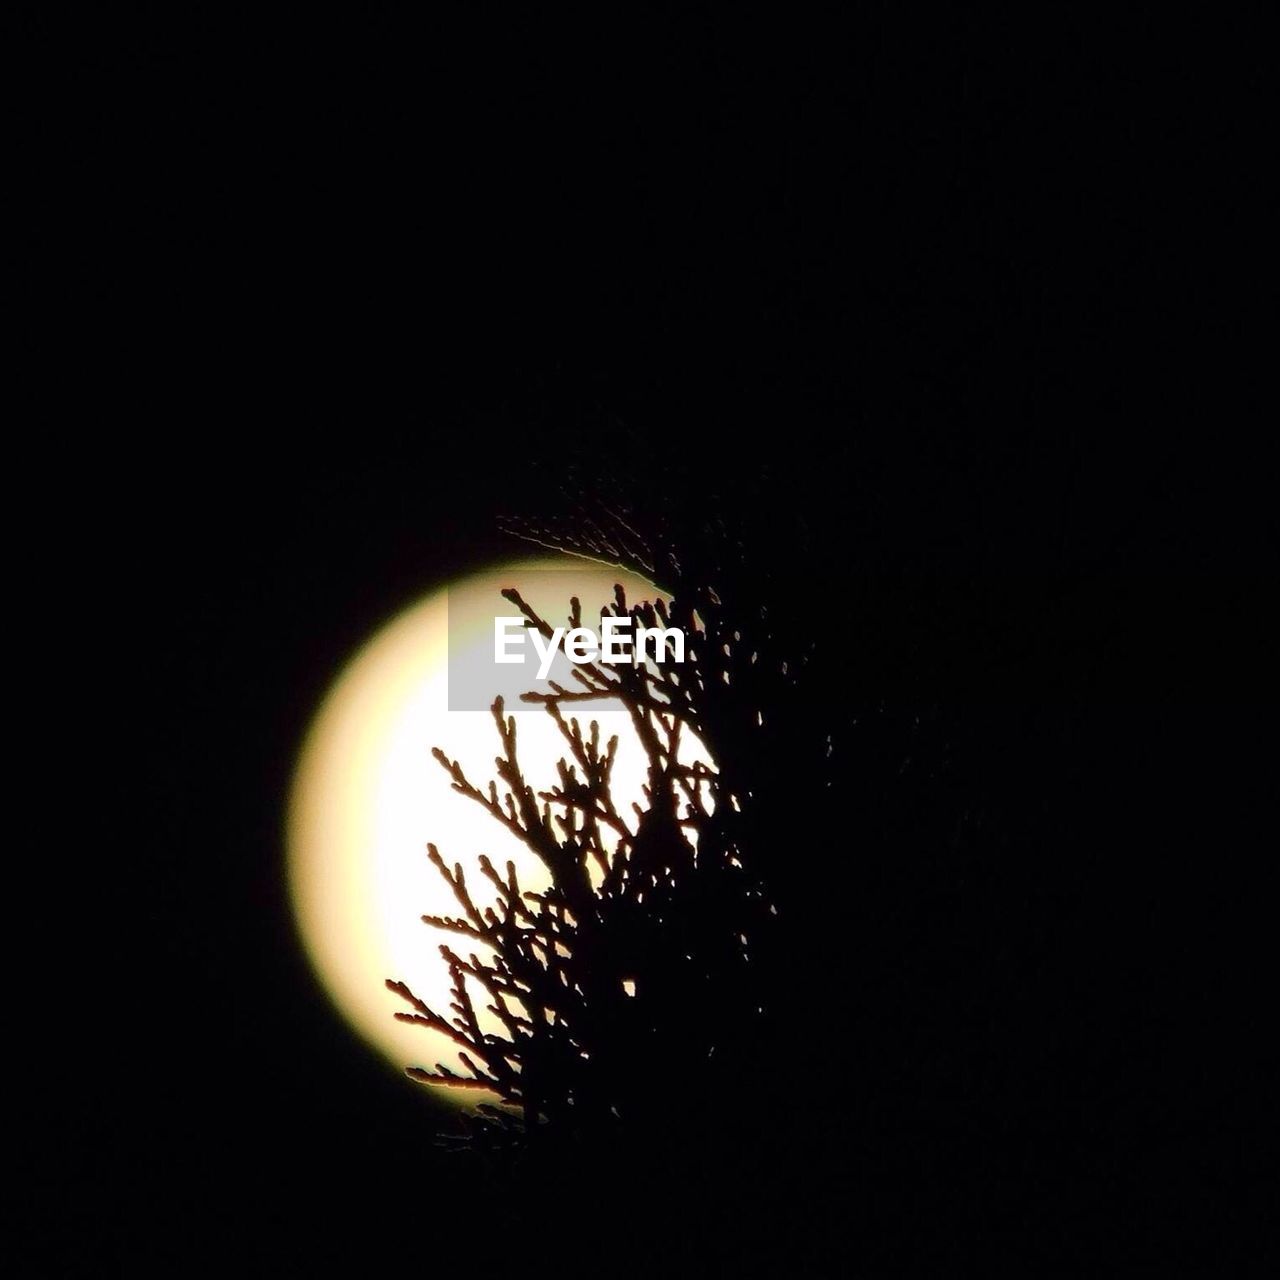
{"x": 926, "y": 304}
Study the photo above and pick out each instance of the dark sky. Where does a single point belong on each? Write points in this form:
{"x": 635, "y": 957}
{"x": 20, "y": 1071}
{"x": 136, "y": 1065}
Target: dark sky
{"x": 340, "y": 296}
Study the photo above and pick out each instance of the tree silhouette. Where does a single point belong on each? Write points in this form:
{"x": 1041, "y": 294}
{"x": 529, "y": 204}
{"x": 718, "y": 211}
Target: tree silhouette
{"x": 631, "y": 980}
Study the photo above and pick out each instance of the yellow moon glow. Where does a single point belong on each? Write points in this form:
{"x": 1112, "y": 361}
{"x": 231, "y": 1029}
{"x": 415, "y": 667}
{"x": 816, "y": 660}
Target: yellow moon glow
{"x": 367, "y": 796}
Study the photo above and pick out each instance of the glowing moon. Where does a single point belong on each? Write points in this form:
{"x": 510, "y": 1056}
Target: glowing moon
{"x": 367, "y": 796}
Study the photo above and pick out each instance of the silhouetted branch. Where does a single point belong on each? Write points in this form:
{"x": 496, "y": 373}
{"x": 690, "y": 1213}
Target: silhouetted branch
{"x": 639, "y": 950}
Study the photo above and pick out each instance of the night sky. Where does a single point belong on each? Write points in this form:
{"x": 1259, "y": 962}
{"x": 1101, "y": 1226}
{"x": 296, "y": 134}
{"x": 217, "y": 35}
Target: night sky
{"x": 344, "y": 298}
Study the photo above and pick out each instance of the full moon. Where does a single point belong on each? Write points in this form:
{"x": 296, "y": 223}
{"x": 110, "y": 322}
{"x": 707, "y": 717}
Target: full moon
{"x": 367, "y": 797}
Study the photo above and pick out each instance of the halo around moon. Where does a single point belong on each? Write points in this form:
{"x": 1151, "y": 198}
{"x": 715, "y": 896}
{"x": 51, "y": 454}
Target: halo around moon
{"x": 367, "y": 796}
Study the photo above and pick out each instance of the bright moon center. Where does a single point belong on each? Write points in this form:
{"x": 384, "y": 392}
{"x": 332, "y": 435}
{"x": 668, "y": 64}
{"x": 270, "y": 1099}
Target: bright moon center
{"x": 367, "y": 796}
